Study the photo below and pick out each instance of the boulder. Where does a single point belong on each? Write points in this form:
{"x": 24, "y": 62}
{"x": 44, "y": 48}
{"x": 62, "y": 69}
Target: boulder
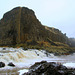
{"x": 49, "y": 68}
{"x": 11, "y": 64}
{"x": 2, "y": 64}
{"x": 4, "y": 48}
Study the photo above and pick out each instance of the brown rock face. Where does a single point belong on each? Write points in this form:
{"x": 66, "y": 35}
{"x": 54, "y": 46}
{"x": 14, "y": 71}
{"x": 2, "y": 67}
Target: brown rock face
{"x": 20, "y": 24}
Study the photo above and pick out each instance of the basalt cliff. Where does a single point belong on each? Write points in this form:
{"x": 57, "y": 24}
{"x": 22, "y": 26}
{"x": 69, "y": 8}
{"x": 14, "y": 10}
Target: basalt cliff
{"x": 21, "y": 26}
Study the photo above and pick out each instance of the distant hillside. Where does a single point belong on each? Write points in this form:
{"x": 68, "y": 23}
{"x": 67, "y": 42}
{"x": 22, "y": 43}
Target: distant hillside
{"x": 72, "y": 42}
{"x": 20, "y": 25}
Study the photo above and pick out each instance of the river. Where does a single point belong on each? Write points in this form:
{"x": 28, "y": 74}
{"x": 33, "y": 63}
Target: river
{"x": 23, "y": 59}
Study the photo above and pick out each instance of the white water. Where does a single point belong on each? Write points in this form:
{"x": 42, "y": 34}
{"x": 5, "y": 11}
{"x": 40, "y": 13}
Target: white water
{"x": 23, "y": 71}
{"x": 24, "y": 59}
{"x": 70, "y": 60}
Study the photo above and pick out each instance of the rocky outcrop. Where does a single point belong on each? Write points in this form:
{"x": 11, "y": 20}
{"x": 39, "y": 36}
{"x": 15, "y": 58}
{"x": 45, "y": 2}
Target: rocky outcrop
{"x": 2, "y": 64}
{"x": 20, "y": 25}
{"x": 11, "y": 64}
{"x": 49, "y": 68}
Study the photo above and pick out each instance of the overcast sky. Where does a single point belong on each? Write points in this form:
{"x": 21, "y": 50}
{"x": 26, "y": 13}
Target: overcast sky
{"x": 53, "y": 13}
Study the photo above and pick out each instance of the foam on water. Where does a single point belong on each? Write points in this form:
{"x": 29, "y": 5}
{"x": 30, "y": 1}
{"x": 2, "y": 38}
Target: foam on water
{"x": 23, "y": 71}
{"x": 25, "y": 58}
{"x": 69, "y": 65}
{"x": 22, "y": 58}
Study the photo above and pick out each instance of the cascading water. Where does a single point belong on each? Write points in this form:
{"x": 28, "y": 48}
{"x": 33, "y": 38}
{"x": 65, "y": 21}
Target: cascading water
{"x": 20, "y": 56}
{"x": 25, "y": 58}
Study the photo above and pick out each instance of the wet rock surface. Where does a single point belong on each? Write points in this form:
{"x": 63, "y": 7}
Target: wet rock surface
{"x": 11, "y": 64}
{"x": 2, "y": 64}
{"x": 49, "y": 68}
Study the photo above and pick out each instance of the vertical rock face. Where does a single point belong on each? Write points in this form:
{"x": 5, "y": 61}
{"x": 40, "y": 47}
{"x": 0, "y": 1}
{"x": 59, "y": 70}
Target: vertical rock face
{"x": 20, "y": 24}
{"x": 9, "y": 27}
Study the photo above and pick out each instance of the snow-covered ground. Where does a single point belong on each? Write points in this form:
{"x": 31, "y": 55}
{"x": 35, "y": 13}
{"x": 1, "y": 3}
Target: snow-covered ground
{"x": 25, "y": 58}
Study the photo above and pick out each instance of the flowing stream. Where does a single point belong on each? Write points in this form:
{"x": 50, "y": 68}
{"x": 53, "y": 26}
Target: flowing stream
{"x": 23, "y": 59}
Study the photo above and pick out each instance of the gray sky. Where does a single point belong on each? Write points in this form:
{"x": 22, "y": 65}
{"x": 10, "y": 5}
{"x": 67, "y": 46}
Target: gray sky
{"x": 53, "y": 13}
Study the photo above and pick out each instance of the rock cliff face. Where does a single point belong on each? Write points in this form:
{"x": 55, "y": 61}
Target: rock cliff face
{"x": 20, "y": 24}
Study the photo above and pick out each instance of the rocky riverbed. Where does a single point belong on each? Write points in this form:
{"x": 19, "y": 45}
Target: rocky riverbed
{"x": 49, "y": 68}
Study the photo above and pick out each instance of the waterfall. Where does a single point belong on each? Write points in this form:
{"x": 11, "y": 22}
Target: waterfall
{"x": 20, "y": 55}
{"x": 24, "y": 58}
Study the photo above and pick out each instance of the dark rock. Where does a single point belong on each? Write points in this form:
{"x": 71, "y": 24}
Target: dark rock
{"x": 25, "y": 48}
{"x": 4, "y": 48}
{"x": 37, "y": 53}
{"x": 49, "y": 68}
{"x": 20, "y": 24}
{"x": 2, "y": 64}
{"x": 11, "y": 64}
